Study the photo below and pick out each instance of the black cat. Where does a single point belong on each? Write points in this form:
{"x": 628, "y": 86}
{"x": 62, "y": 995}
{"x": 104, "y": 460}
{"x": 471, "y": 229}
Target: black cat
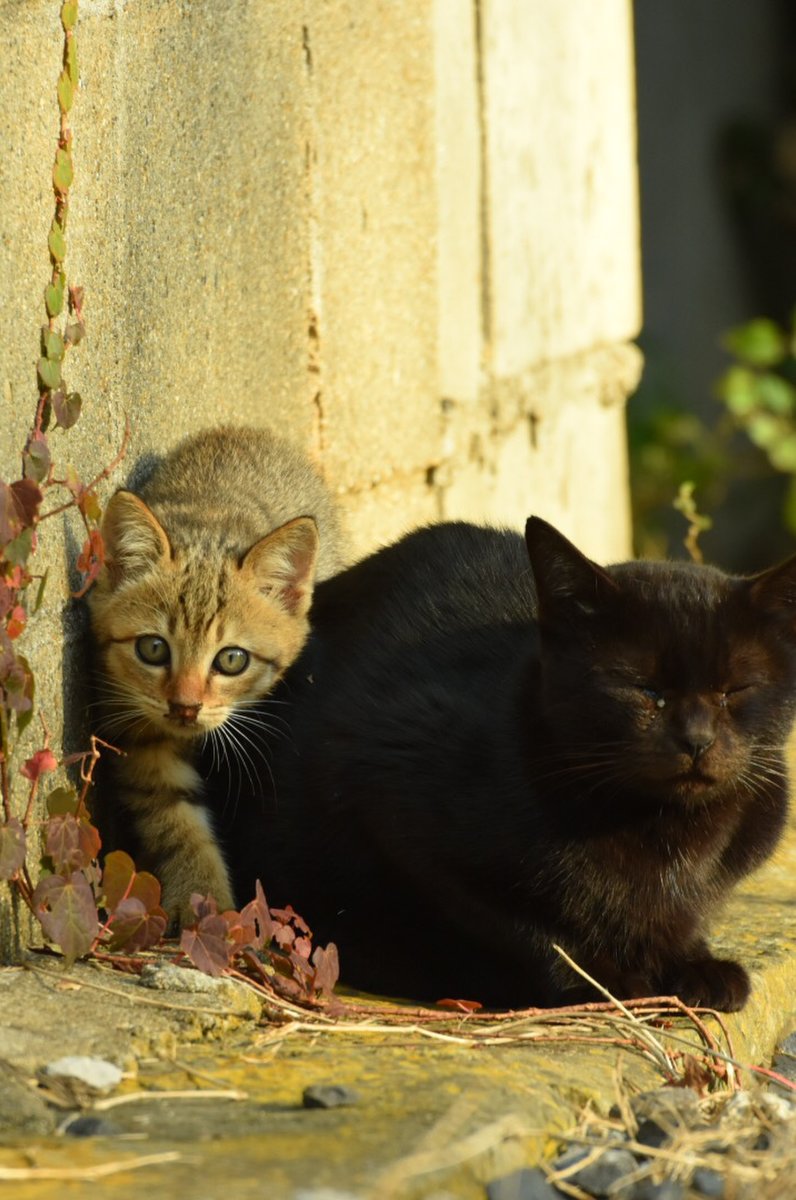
{"x": 486, "y": 756}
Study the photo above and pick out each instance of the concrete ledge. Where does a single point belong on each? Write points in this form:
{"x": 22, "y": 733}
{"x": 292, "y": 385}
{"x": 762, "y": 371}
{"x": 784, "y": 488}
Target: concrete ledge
{"x": 434, "y": 1118}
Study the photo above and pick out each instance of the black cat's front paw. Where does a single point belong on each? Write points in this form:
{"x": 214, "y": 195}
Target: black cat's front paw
{"x": 709, "y": 982}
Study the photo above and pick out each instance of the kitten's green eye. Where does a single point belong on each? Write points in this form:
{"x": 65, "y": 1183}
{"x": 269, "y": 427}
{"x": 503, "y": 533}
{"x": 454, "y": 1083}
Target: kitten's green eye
{"x": 152, "y": 650}
{"x": 231, "y": 660}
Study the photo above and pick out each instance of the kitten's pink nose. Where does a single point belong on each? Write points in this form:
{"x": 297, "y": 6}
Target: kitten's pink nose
{"x": 185, "y": 713}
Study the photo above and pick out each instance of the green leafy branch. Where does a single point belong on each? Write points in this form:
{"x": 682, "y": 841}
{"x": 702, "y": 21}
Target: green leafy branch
{"x": 759, "y": 391}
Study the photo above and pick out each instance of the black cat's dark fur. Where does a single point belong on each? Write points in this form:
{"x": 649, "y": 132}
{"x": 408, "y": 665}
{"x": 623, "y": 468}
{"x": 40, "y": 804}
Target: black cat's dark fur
{"x": 493, "y": 748}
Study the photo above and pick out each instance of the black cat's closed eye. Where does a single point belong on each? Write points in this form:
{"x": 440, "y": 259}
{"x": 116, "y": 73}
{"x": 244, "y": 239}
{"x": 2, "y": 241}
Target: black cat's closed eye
{"x": 231, "y": 660}
{"x": 153, "y": 650}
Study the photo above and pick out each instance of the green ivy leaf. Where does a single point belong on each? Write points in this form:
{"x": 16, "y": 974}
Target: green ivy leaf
{"x": 24, "y": 710}
{"x": 36, "y": 458}
{"x": 66, "y": 93}
{"x": 40, "y": 591}
{"x": 54, "y": 295}
{"x": 69, "y": 14}
{"x": 63, "y": 172}
{"x": 57, "y": 242}
{"x": 738, "y": 391}
{"x": 62, "y": 800}
{"x": 66, "y": 408}
{"x": 18, "y": 551}
{"x": 71, "y": 61}
{"x": 776, "y": 394}
{"x": 760, "y": 343}
{"x": 49, "y": 372}
{"x": 783, "y": 454}
{"x": 52, "y": 343}
{"x": 764, "y": 429}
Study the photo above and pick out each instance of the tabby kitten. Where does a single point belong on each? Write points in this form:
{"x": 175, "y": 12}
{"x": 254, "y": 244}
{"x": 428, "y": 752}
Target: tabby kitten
{"x": 200, "y": 609}
{"x": 498, "y": 746}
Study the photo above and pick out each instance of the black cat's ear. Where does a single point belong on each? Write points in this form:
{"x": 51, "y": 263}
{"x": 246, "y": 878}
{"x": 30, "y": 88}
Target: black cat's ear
{"x": 565, "y": 579}
{"x": 282, "y": 564}
{"x": 134, "y": 539}
{"x": 775, "y": 590}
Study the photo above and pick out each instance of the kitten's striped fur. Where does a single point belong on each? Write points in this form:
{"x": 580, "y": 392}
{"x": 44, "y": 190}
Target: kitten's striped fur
{"x": 210, "y": 566}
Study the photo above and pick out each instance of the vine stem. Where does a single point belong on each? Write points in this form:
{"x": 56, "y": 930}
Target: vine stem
{"x": 104, "y": 474}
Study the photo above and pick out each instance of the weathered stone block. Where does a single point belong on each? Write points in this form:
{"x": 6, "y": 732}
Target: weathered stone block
{"x": 561, "y": 206}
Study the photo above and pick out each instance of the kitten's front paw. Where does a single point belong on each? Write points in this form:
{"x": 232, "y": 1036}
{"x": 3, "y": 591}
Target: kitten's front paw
{"x": 716, "y": 983}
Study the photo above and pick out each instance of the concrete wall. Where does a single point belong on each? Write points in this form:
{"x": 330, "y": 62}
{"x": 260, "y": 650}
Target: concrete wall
{"x": 405, "y": 233}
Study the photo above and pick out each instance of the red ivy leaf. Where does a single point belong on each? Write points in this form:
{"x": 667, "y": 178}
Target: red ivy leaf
{"x": 303, "y": 947}
{"x": 17, "y": 685}
{"x": 203, "y": 906}
{"x": 207, "y": 945}
{"x": 117, "y": 876}
{"x": 284, "y": 936}
{"x": 256, "y": 911}
{"x": 67, "y": 912}
{"x": 16, "y": 621}
{"x": 135, "y": 928}
{"x": 12, "y": 848}
{"x": 70, "y": 842}
{"x": 27, "y": 498}
{"x": 465, "y": 1006}
{"x": 76, "y": 295}
{"x": 19, "y": 506}
{"x": 146, "y": 889}
{"x": 241, "y": 932}
{"x": 327, "y": 968}
{"x": 287, "y": 915}
{"x": 302, "y": 971}
{"x": 92, "y": 556}
{"x": 121, "y": 881}
{"x": 41, "y": 762}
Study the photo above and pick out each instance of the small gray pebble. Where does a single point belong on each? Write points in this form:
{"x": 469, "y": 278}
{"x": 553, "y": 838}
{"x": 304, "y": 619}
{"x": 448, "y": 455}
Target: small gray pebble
{"x": 649, "y": 1133}
{"x": 88, "y": 1126}
{"x": 707, "y": 1181}
{"x": 95, "y": 1073}
{"x": 329, "y": 1095}
{"x": 602, "y": 1176}
{"x": 526, "y": 1184}
{"x": 668, "y": 1106}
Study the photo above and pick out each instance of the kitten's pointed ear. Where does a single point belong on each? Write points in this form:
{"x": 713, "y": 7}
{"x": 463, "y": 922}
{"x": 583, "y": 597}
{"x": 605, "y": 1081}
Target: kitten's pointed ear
{"x": 565, "y": 579}
{"x": 134, "y": 538}
{"x": 775, "y": 590}
{"x": 283, "y": 564}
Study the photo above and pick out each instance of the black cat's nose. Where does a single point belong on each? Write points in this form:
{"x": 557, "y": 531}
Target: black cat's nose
{"x": 696, "y": 741}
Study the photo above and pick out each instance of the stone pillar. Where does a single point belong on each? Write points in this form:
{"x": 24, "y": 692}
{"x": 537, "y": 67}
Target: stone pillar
{"x": 405, "y": 234}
